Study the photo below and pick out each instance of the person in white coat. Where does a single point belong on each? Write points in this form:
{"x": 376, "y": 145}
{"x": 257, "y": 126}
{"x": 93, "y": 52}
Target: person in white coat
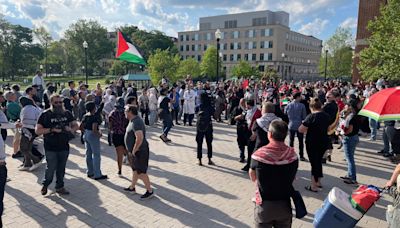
{"x": 153, "y": 103}
{"x": 189, "y": 105}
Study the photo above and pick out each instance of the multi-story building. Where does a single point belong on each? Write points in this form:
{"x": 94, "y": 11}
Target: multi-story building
{"x": 367, "y": 11}
{"x": 262, "y": 38}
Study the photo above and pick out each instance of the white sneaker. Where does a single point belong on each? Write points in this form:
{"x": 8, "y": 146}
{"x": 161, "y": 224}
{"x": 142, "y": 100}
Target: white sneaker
{"x": 24, "y": 168}
{"x": 35, "y": 166}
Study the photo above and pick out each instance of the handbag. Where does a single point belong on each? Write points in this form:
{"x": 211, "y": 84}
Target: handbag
{"x": 300, "y": 207}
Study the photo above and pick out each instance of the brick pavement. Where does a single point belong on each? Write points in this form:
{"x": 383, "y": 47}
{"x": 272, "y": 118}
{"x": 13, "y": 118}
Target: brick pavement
{"x": 187, "y": 195}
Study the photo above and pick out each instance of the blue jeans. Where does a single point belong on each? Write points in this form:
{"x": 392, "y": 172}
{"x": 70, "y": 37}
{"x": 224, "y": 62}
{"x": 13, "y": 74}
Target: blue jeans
{"x": 349, "y": 147}
{"x": 56, "y": 162}
{"x": 93, "y": 159}
{"x": 373, "y": 125}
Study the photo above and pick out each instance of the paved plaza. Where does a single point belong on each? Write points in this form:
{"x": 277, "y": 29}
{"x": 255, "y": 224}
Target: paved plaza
{"x": 186, "y": 195}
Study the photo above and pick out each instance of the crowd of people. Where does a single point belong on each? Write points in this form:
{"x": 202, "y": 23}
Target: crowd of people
{"x": 263, "y": 111}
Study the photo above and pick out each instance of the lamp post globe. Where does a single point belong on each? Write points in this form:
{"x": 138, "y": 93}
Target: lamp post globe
{"x": 85, "y": 46}
{"x": 218, "y": 36}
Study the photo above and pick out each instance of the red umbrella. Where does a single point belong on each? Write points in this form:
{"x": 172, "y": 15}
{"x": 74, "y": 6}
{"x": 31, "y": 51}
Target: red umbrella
{"x": 383, "y": 105}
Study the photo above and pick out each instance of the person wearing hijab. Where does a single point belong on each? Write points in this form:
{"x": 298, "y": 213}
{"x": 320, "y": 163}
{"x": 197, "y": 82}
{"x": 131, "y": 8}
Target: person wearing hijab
{"x": 242, "y": 132}
{"x": 117, "y": 127}
{"x": 204, "y": 128}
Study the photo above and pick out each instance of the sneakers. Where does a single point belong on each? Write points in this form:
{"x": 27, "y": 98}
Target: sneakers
{"x": 119, "y": 173}
{"x": 62, "y": 191}
{"x": 23, "y": 168}
{"x": 35, "y": 166}
{"x": 44, "y": 190}
{"x": 130, "y": 190}
{"x": 242, "y": 160}
{"x": 17, "y": 155}
{"x": 147, "y": 195}
{"x": 302, "y": 159}
{"x": 210, "y": 162}
{"x": 125, "y": 160}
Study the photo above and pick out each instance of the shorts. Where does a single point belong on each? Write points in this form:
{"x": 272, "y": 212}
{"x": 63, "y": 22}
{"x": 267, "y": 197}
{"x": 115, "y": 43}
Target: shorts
{"x": 140, "y": 162}
{"x": 118, "y": 140}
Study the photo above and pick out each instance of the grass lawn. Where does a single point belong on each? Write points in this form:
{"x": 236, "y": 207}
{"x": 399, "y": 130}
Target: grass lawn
{"x": 92, "y": 80}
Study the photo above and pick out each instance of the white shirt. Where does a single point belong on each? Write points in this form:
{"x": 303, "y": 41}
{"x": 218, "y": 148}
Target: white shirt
{"x": 38, "y": 80}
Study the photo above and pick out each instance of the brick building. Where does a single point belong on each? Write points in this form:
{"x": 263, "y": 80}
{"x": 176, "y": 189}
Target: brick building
{"x": 367, "y": 10}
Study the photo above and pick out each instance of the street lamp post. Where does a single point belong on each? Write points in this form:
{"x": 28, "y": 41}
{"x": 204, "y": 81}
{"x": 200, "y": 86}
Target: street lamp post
{"x": 283, "y": 64}
{"x": 326, "y": 63}
{"x": 308, "y": 69}
{"x": 85, "y": 46}
{"x": 45, "y": 60}
{"x": 218, "y": 37}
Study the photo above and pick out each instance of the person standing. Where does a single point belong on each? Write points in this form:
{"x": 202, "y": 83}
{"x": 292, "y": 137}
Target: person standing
{"x": 164, "y": 113}
{"x": 332, "y": 109}
{"x": 251, "y": 115}
{"x": 350, "y": 141}
{"x": 373, "y": 124}
{"x": 261, "y": 126}
{"x": 296, "y": 113}
{"x": 317, "y": 140}
{"x": 4, "y": 124}
{"x": 91, "y": 135}
{"x": 175, "y": 105}
{"x": 144, "y": 106}
{"x": 13, "y": 111}
{"x": 38, "y": 81}
{"x": 152, "y": 106}
{"x": 204, "y": 128}
{"x": 28, "y": 118}
{"x": 242, "y": 130}
{"x": 57, "y": 125}
{"x": 138, "y": 151}
{"x": 273, "y": 169}
{"x": 189, "y": 105}
{"x": 117, "y": 126}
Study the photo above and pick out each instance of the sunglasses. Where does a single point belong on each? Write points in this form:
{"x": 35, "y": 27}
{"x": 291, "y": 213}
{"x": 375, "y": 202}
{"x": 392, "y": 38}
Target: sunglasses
{"x": 57, "y": 102}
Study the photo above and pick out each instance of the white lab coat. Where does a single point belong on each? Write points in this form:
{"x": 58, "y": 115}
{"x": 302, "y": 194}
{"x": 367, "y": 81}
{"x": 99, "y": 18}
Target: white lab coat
{"x": 189, "y": 102}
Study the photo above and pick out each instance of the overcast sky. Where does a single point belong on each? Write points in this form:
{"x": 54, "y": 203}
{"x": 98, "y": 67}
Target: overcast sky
{"x": 319, "y": 18}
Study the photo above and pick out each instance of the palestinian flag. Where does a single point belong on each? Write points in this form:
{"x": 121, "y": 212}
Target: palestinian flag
{"x": 127, "y": 51}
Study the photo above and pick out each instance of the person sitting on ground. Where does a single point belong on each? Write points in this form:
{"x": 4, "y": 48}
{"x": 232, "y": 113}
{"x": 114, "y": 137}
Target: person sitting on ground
{"x": 273, "y": 169}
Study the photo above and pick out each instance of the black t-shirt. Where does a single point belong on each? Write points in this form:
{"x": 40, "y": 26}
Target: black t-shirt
{"x": 356, "y": 126}
{"x": 275, "y": 181}
{"x": 164, "y": 105}
{"x": 56, "y": 141}
{"x": 331, "y": 108}
{"x": 89, "y": 120}
{"x": 317, "y": 124}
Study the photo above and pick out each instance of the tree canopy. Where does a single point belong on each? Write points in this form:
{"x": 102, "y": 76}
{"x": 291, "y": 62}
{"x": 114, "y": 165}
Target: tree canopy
{"x": 188, "y": 66}
{"x": 208, "y": 65}
{"x": 382, "y": 57}
{"x": 340, "y": 53}
{"x": 163, "y": 64}
{"x": 245, "y": 70}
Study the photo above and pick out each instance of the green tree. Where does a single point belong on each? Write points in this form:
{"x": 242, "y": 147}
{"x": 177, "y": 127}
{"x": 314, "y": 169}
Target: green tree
{"x": 99, "y": 45}
{"x": 382, "y": 57}
{"x": 188, "y": 67}
{"x": 244, "y": 70}
{"x": 208, "y": 66}
{"x": 340, "y": 54}
{"x": 162, "y": 63}
{"x": 117, "y": 68}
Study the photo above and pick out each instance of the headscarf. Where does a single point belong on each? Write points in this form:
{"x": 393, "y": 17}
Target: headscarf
{"x": 265, "y": 120}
